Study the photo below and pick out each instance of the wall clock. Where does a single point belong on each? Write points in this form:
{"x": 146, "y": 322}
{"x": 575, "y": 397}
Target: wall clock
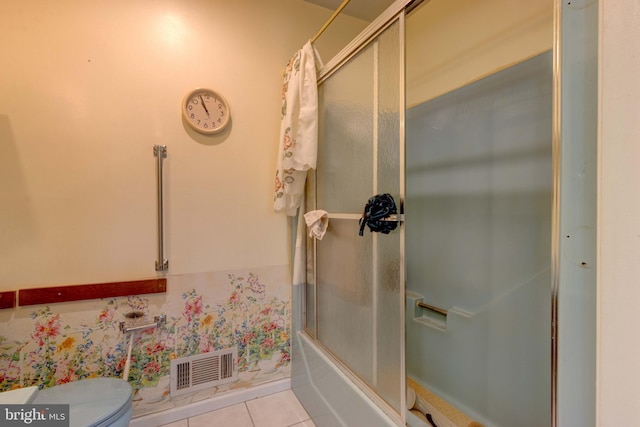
{"x": 206, "y": 111}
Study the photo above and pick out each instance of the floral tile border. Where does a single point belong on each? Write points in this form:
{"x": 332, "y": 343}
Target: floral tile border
{"x": 249, "y": 309}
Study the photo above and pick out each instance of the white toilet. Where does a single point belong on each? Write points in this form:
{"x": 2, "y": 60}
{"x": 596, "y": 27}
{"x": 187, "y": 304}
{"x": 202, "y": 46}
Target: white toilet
{"x": 95, "y": 402}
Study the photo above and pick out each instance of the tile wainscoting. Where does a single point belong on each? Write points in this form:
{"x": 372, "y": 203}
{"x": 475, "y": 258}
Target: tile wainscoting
{"x": 248, "y": 308}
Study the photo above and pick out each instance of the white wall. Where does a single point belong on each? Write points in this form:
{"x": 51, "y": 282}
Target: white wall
{"x": 88, "y": 88}
{"x": 619, "y": 214}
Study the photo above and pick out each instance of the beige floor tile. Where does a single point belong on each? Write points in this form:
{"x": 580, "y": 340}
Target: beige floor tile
{"x": 307, "y": 423}
{"x": 180, "y": 423}
{"x": 276, "y": 410}
{"x": 236, "y": 416}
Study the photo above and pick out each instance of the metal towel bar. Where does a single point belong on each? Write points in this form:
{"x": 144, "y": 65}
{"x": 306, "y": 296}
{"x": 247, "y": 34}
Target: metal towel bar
{"x": 158, "y": 322}
{"x": 432, "y": 308}
{"x": 391, "y": 218}
{"x": 160, "y": 152}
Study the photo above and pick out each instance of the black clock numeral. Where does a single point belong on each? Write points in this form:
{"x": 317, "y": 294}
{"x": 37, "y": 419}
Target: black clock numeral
{"x": 193, "y": 116}
{"x": 198, "y": 121}
{"x": 194, "y": 101}
{"x": 206, "y": 126}
{"x": 190, "y": 107}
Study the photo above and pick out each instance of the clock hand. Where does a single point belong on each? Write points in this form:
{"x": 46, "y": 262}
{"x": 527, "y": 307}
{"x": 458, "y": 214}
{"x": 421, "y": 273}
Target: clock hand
{"x": 203, "y": 106}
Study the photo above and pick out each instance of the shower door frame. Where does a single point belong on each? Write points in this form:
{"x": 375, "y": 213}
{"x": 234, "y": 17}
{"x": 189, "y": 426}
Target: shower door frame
{"x": 393, "y": 14}
{"x": 569, "y": 30}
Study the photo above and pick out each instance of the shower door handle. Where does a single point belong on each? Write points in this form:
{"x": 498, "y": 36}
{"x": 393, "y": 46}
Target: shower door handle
{"x": 393, "y": 218}
{"x": 390, "y": 218}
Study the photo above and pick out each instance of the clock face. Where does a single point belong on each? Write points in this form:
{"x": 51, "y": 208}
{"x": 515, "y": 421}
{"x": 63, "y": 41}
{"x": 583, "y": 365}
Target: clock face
{"x": 206, "y": 111}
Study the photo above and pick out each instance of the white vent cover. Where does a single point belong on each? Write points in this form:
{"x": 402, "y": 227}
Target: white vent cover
{"x": 204, "y": 370}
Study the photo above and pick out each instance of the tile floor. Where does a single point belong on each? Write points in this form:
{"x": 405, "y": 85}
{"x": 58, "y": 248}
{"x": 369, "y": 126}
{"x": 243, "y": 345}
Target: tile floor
{"x": 276, "y": 410}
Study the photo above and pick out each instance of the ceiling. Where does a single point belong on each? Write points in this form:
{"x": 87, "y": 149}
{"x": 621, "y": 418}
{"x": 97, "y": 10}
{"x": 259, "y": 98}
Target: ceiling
{"x": 367, "y": 10}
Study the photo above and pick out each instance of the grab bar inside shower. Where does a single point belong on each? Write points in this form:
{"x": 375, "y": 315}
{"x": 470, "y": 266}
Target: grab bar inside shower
{"x": 160, "y": 152}
{"x": 433, "y": 308}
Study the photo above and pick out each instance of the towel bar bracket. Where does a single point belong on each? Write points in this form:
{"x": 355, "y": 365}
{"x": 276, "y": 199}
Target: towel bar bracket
{"x": 162, "y": 149}
{"x": 162, "y": 267}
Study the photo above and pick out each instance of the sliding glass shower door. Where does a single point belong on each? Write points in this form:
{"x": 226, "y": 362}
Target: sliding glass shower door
{"x": 355, "y": 295}
{"x": 479, "y": 182}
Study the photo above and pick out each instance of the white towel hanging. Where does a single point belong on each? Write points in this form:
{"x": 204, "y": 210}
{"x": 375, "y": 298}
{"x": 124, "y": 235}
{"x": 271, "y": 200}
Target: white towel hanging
{"x": 317, "y": 221}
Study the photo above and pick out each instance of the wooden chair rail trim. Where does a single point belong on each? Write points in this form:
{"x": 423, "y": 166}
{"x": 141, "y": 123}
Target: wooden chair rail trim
{"x": 7, "y": 299}
{"x": 68, "y": 293}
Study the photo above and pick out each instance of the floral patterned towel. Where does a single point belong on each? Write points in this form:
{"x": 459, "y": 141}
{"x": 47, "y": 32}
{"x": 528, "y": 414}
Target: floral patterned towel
{"x": 298, "y": 148}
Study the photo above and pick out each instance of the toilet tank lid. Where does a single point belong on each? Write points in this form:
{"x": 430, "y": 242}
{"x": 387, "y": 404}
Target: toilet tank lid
{"x": 91, "y": 400}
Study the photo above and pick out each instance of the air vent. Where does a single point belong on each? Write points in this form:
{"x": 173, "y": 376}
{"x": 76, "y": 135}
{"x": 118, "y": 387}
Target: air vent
{"x": 205, "y": 370}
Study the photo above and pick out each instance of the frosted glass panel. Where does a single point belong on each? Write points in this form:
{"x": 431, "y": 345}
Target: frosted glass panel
{"x": 345, "y": 296}
{"x": 358, "y": 278}
{"x": 345, "y": 152}
{"x": 479, "y": 185}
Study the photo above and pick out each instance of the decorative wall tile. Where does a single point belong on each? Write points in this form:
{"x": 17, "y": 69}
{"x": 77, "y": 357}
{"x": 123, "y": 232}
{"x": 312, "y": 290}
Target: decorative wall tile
{"x": 10, "y": 363}
{"x": 205, "y": 312}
